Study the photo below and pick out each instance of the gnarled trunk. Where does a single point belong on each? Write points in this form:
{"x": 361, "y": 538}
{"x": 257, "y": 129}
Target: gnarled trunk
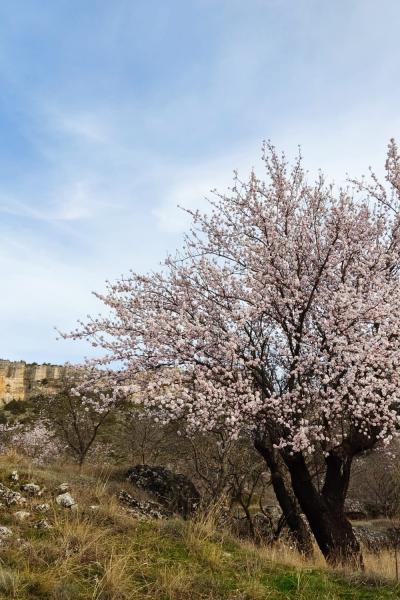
{"x": 284, "y": 495}
{"x": 325, "y": 510}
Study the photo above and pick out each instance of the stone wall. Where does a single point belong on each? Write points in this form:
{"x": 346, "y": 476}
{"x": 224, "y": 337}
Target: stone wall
{"x": 21, "y": 381}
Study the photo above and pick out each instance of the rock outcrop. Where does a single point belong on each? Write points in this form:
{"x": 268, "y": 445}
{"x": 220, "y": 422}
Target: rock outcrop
{"x": 377, "y": 539}
{"x": 355, "y": 509}
{"x": 66, "y": 500}
{"x": 172, "y": 490}
{"x": 21, "y": 380}
{"x": 10, "y": 497}
{"x": 142, "y": 509}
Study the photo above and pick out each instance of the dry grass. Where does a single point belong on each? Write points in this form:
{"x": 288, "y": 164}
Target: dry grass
{"x": 382, "y": 564}
{"x": 108, "y": 555}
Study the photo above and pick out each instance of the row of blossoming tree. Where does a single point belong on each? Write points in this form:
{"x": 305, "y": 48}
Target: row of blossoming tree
{"x": 278, "y": 319}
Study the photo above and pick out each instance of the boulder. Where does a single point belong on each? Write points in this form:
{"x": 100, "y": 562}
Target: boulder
{"x": 262, "y": 528}
{"x": 63, "y": 488}
{"x": 43, "y": 524}
{"x": 66, "y": 500}
{"x": 9, "y": 497}
{"x": 14, "y": 476}
{"x": 355, "y": 509}
{"x": 5, "y": 533}
{"x": 32, "y": 489}
{"x": 142, "y": 509}
{"x": 273, "y": 514}
{"x": 172, "y": 490}
{"x": 21, "y": 515}
{"x": 42, "y": 508}
{"x": 378, "y": 539}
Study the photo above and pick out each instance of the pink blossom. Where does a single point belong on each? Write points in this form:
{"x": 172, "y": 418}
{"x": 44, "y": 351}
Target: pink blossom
{"x": 281, "y": 310}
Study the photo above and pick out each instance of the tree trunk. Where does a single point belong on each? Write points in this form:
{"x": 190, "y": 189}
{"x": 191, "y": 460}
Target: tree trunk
{"x": 286, "y": 499}
{"x": 325, "y": 510}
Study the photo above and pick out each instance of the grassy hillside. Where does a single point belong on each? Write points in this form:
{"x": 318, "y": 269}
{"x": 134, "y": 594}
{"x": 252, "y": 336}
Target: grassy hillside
{"x": 103, "y": 553}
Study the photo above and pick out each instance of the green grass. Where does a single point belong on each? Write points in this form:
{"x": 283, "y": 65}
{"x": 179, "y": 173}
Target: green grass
{"x": 107, "y": 555}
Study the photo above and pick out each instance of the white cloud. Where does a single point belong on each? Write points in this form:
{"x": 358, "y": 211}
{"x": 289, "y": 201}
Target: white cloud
{"x": 85, "y": 126}
{"x": 78, "y": 201}
{"x": 344, "y": 145}
{"x": 190, "y": 187}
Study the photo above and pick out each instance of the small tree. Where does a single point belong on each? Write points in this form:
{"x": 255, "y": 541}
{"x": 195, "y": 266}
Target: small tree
{"x": 75, "y": 421}
{"x": 37, "y": 441}
{"x": 139, "y": 439}
{"x": 278, "y": 317}
{"x": 376, "y": 482}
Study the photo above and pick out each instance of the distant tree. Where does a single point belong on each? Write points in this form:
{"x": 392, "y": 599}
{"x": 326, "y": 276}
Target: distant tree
{"x": 279, "y": 317}
{"x": 36, "y": 440}
{"x": 375, "y": 481}
{"x": 140, "y": 440}
{"x": 75, "y": 421}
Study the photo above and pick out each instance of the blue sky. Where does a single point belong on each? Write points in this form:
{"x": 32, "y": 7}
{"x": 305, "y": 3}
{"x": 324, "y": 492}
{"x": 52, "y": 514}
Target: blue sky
{"x": 113, "y": 113}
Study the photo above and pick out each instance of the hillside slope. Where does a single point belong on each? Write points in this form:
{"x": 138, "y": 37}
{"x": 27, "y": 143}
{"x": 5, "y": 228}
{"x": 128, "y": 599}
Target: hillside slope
{"x": 100, "y": 552}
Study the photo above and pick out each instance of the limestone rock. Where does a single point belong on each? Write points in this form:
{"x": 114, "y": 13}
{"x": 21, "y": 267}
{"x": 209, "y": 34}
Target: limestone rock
{"x": 63, "y": 488}
{"x": 142, "y": 509}
{"x": 274, "y": 513}
{"x": 355, "y": 509}
{"x": 32, "y": 489}
{"x": 21, "y": 381}
{"x": 42, "y": 508}
{"x": 377, "y": 539}
{"x": 66, "y": 500}
{"x": 174, "y": 491}
{"x": 43, "y": 524}
{"x": 262, "y": 526}
{"x": 5, "y": 533}
{"x": 14, "y": 476}
{"x": 10, "y": 497}
{"x": 21, "y": 515}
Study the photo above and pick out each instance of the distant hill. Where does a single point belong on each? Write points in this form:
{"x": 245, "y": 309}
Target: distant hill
{"x": 20, "y": 380}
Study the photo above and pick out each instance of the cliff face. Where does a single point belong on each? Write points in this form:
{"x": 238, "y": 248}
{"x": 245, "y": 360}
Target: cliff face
{"x": 21, "y": 381}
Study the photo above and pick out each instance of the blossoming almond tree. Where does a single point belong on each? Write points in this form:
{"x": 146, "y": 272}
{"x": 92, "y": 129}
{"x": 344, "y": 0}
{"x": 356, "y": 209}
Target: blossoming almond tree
{"x": 278, "y": 317}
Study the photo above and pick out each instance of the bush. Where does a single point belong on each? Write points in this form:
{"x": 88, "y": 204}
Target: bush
{"x": 16, "y": 407}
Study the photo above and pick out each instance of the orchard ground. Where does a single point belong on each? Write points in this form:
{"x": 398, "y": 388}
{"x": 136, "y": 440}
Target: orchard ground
{"x": 107, "y": 554}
